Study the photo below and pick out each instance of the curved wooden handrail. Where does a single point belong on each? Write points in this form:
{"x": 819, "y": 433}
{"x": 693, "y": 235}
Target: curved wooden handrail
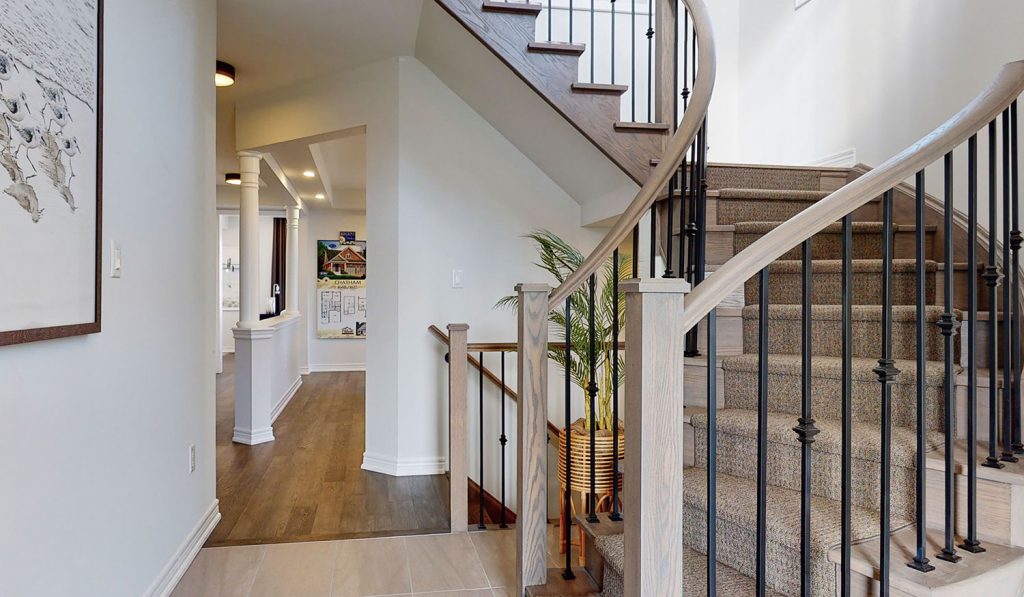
{"x": 692, "y": 121}
{"x": 1007, "y": 86}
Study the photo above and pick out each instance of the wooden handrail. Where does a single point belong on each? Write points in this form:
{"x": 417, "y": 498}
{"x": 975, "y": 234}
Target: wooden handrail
{"x": 1007, "y": 86}
{"x": 443, "y": 338}
{"x": 684, "y": 136}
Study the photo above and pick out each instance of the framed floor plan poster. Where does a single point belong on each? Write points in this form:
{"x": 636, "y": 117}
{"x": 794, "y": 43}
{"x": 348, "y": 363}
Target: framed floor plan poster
{"x": 341, "y": 289}
{"x": 51, "y": 114}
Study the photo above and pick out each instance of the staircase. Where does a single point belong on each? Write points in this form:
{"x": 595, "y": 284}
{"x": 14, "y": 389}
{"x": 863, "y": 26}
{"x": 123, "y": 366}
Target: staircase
{"x": 845, "y": 435}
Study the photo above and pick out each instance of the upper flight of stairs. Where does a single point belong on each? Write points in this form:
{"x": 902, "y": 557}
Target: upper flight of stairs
{"x": 740, "y": 215}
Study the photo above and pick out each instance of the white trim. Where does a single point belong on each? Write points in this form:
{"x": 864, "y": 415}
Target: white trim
{"x": 379, "y": 463}
{"x": 336, "y": 367}
{"x": 844, "y": 159}
{"x": 283, "y": 402}
{"x": 254, "y": 437}
{"x": 304, "y": 370}
{"x": 228, "y": 350}
{"x": 186, "y": 552}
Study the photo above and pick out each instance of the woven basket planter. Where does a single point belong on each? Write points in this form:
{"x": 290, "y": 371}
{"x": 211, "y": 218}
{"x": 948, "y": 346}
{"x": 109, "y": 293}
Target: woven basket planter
{"x": 580, "y": 454}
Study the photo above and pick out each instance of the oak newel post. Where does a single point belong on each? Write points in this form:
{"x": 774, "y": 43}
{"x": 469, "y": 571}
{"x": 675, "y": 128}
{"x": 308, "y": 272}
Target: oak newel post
{"x": 654, "y": 410}
{"x": 531, "y": 523}
{"x": 458, "y": 434}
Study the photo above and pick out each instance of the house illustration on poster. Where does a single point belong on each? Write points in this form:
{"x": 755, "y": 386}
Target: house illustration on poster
{"x": 347, "y": 262}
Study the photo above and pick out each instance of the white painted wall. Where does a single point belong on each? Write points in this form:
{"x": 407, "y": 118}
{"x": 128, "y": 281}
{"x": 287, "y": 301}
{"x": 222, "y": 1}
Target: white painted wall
{"x": 97, "y": 496}
{"x": 329, "y": 354}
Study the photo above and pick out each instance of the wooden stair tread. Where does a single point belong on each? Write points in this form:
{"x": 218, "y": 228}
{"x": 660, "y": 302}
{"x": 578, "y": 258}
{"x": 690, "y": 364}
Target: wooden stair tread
{"x": 523, "y": 8}
{"x": 642, "y": 127}
{"x": 549, "y": 47}
{"x": 599, "y": 88}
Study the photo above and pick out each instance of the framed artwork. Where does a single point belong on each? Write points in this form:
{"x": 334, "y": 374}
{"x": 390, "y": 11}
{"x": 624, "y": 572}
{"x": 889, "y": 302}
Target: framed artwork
{"x": 341, "y": 289}
{"x": 51, "y": 148}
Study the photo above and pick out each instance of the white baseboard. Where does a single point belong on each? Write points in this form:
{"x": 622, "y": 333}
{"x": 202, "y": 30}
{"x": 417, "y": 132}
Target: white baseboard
{"x": 182, "y": 559}
{"x": 304, "y": 370}
{"x": 336, "y": 367}
{"x": 230, "y": 350}
{"x": 283, "y": 402}
{"x": 252, "y": 437}
{"x": 406, "y": 467}
{"x": 843, "y": 159}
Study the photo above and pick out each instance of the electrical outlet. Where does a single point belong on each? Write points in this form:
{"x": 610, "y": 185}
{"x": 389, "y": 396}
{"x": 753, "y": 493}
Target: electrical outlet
{"x": 192, "y": 459}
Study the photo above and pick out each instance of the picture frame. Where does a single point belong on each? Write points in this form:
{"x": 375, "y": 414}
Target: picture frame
{"x": 60, "y": 87}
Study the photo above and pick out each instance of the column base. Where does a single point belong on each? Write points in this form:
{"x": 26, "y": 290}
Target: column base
{"x": 253, "y": 437}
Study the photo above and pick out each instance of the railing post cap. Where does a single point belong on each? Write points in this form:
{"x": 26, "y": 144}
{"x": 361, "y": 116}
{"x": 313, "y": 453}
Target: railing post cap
{"x": 655, "y": 285}
{"x": 533, "y": 287}
{"x": 458, "y": 327}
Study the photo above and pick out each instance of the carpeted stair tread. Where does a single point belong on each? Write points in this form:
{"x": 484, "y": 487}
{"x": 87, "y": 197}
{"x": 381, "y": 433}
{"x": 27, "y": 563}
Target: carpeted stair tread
{"x": 832, "y": 367}
{"x": 785, "y": 327}
{"x": 823, "y": 266}
{"x": 772, "y": 194}
{"x": 785, "y": 282}
{"x": 730, "y": 583}
{"x": 720, "y": 177}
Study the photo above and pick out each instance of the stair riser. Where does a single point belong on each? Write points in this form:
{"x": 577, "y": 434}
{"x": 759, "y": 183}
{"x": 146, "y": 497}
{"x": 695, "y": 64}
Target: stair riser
{"x": 737, "y": 456}
{"x": 733, "y": 211}
{"x": 785, "y": 288}
{"x": 723, "y": 177}
{"x": 784, "y": 397}
{"x": 785, "y": 337}
{"x": 828, "y": 245}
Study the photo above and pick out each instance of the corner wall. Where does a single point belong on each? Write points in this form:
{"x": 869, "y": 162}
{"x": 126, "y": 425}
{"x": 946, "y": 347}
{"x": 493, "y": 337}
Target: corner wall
{"x": 97, "y": 498}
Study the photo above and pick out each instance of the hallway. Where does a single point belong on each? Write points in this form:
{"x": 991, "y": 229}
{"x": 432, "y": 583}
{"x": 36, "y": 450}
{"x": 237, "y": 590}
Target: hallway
{"x": 307, "y": 484}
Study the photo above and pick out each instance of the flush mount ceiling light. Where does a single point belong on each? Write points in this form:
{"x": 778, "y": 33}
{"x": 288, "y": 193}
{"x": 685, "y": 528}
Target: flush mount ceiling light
{"x": 225, "y": 74}
{"x": 233, "y": 178}
{"x": 309, "y": 174}
{"x": 319, "y": 196}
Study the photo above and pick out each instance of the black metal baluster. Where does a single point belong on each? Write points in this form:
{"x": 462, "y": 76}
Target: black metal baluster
{"x": 592, "y": 47}
{"x": 636, "y": 250}
{"x": 686, "y": 59}
{"x": 1005, "y": 347}
{"x": 613, "y": 41}
{"x": 570, "y": 20}
{"x": 1015, "y": 243}
{"x": 887, "y": 373}
{"x": 668, "y": 229}
{"x": 762, "y": 436}
{"x": 712, "y": 470}
{"x": 592, "y": 391}
{"x": 947, "y": 324}
{"x": 971, "y": 544}
{"x": 702, "y": 212}
{"x": 503, "y": 440}
{"x": 550, "y": 10}
{"x": 615, "y": 515}
{"x": 847, "y": 433}
{"x": 920, "y": 561}
{"x": 992, "y": 278}
{"x": 805, "y": 429}
{"x": 568, "y": 574}
{"x": 650, "y": 64}
{"x": 654, "y": 238}
{"x": 480, "y": 523}
{"x": 632, "y": 67}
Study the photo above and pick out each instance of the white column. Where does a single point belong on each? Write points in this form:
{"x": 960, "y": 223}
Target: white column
{"x": 291, "y": 300}
{"x": 249, "y": 240}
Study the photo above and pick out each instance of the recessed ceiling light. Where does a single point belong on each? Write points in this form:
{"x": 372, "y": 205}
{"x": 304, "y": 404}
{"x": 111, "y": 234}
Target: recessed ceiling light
{"x": 309, "y": 174}
{"x": 233, "y": 178}
{"x": 319, "y": 196}
{"x": 225, "y": 76}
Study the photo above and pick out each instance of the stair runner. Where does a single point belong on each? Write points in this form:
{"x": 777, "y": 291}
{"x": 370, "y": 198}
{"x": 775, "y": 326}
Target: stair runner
{"x": 755, "y": 201}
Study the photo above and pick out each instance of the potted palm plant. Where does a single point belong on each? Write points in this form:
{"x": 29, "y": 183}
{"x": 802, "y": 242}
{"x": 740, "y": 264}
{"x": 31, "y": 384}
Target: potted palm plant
{"x": 559, "y": 258}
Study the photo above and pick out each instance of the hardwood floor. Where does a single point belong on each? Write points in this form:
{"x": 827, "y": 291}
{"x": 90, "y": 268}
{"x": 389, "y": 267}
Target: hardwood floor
{"x": 307, "y": 484}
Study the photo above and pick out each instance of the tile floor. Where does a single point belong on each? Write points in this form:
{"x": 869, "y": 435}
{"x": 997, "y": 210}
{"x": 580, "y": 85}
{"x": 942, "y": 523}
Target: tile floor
{"x": 479, "y": 564}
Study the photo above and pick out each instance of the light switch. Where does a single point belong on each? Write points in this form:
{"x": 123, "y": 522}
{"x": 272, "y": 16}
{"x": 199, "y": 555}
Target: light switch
{"x": 115, "y": 259}
{"x": 458, "y": 279}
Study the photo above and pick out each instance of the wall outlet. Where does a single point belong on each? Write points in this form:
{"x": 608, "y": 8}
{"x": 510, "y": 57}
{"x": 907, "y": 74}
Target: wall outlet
{"x": 192, "y": 459}
{"x": 458, "y": 278}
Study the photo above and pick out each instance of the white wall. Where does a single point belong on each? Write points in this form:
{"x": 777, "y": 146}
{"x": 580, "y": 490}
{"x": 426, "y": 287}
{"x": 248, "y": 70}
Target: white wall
{"x": 329, "y": 354}
{"x": 97, "y": 496}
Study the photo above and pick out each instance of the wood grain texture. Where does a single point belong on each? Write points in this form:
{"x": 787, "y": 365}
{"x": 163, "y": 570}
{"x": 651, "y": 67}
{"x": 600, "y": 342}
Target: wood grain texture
{"x": 657, "y": 180}
{"x": 654, "y": 383}
{"x": 458, "y": 432}
{"x": 308, "y": 484}
{"x": 531, "y": 449}
{"x": 551, "y": 75}
{"x": 986, "y": 106}
{"x": 665, "y": 63}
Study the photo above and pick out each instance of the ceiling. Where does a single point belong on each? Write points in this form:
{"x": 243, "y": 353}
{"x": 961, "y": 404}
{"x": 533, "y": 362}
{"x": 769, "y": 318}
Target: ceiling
{"x": 275, "y": 43}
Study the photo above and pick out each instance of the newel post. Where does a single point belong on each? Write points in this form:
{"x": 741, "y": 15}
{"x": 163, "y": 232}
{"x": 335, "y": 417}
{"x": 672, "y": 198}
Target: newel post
{"x": 654, "y": 409}
{"x": 532, "y": 520}
{"x": 458, "y": 434}
{"x": 665, "y": 91}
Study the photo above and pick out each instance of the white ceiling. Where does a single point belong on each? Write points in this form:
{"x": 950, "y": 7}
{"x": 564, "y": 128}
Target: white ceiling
{"x": 276, "y": 43}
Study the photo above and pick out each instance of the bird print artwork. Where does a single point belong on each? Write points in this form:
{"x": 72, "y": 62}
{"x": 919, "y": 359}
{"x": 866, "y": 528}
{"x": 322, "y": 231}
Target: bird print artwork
{"x": 26, "y": 197}
{"x": 8, "y": 66}
{"x": 15, "y": 107}
{"x": 54, "y": 150}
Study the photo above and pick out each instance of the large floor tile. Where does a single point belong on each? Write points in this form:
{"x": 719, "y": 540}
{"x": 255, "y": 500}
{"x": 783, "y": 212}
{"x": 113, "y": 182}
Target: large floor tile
{"x": 371, "y": 567}
{"x": 444, "y": 563}
{"x": 497, "y": 552}
{"x": 296, "y": 569}
{"x": 221, "y": 572}
{"x": 471, "y": 593}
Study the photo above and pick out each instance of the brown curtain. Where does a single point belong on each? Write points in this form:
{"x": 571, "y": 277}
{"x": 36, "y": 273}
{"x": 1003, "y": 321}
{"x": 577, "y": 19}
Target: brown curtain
{"x": 278, "y": 263}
